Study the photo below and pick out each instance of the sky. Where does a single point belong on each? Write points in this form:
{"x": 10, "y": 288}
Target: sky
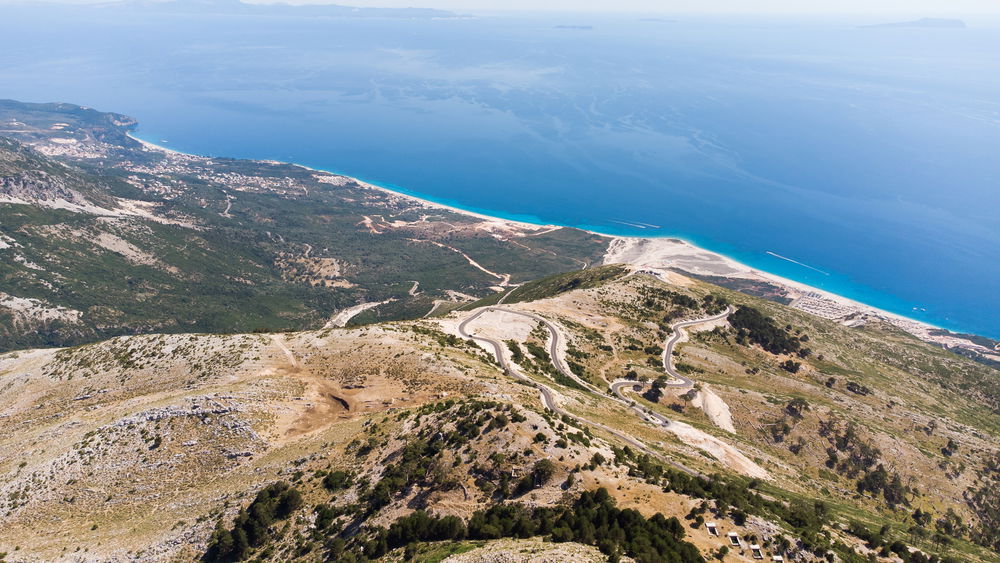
{"x": 938, "y": 8}
{"x": 921, "y": 8}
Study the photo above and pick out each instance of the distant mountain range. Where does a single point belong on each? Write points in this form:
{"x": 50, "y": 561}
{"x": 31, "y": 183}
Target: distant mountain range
{"x": 940, "y": 23}
{"x": 237, "y": 7}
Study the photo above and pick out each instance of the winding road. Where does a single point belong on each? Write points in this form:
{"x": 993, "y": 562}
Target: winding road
{"x": 548, "y": 397}
{"x": 680, "y": 381}
{"x": 709, "y": 444}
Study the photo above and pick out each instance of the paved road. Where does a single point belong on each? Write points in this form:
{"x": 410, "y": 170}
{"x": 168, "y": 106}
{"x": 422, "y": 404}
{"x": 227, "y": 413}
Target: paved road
{"x": 668, "y": 348}
{"x": 548, "y": 397}
{"x": 680, "y": 381}
{"x": 557, "y": 358}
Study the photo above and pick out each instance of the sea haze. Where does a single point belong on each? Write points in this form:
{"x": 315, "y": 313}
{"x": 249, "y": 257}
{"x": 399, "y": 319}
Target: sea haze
{"x": 868, "y": 157}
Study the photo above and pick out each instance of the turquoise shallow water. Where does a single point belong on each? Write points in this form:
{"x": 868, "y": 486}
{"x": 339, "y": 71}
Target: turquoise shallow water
{"x": 865, "y": 158}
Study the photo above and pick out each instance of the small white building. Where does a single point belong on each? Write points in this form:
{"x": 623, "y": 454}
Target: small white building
{"x": 713, "y": 530}
{"x": 734, "y": 539}
{"x": 756, "y": 552}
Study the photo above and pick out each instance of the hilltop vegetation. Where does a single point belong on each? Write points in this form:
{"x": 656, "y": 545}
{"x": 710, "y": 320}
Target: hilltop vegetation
{"x": 554, "y": 285}
{"x": 592, "y": 519}
{"x": 752, "y": 326}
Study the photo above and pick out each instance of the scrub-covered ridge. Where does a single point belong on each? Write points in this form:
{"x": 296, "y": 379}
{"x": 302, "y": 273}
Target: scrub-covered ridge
{"x": 547, "y": 428}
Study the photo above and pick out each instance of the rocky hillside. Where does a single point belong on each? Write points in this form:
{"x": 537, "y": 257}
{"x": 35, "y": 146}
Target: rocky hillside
{"x": 26, "y": 176}
{"x": 551, "y": 427}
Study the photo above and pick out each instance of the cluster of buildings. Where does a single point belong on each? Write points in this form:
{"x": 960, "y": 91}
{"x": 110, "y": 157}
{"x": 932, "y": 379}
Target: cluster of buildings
{"x": 735, "y": 542}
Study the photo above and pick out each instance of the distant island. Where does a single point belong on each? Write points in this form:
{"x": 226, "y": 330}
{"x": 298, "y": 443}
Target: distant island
{"x": 936, "y": 23}
{"x": 580, "y": 27}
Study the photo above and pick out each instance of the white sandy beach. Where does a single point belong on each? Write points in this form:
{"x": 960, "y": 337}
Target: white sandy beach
{"x": 155, "y": 147}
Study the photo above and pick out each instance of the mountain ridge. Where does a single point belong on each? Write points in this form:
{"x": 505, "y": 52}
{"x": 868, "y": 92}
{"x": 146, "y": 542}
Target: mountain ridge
{"x": 152, "y": 446}
{"x": 927, "y": 23}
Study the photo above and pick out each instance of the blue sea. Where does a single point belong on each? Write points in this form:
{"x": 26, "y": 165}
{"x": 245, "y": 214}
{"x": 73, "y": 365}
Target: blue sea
{"x": 868, "y": 157}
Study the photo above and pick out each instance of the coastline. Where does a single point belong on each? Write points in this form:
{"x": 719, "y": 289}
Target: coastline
{"x": 370, "y": 185}
{"x": 668, "y": 252}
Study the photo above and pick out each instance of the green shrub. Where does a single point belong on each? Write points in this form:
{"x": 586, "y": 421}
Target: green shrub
{"x": 252, "y": 527}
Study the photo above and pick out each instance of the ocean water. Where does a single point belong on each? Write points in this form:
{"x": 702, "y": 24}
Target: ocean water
{"x": 862, "y": 161}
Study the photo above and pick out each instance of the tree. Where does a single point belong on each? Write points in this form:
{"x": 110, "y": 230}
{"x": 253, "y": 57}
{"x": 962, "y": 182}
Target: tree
{"x": 655, "y": 392}
{"x": 796, "y": 407}
{"x": 791, "y": 366}
{"x": 753, "y": 326}
{"x": 857, "y": 388}
{"x": 593, "y": 519}
{"x": 288, "y": 502}
{"x": 515, "y": 351}
{"x": 252, "y": 527}
{"x": 336, "y": 480}
{"x": 950, "y": 449}
{"x": 222, "y": 545}
{"x": 950, "y": 523}
{"x": 543, "y": 470}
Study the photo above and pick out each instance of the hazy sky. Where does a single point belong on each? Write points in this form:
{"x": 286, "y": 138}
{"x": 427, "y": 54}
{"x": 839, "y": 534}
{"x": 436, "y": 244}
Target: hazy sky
{"x": 923, "y": 7}
{"x": 874, "y": 8}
